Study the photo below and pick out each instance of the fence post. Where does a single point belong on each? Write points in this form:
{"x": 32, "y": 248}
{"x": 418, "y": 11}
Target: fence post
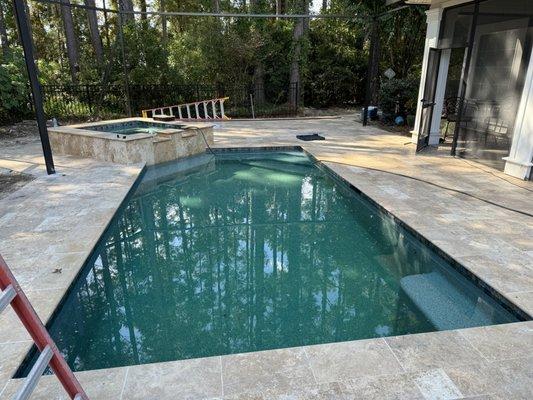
{"x": 124, "y": 66}
{"x": 89, "y": 102}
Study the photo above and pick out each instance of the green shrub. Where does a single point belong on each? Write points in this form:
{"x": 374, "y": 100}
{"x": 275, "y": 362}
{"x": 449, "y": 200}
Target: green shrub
{"x": 399, "y": 96}
{"x": 14, "y": 90}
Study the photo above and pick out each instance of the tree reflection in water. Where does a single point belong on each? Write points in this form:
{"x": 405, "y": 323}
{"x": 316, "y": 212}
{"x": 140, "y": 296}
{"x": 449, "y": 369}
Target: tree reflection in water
{"x": 258, "y": 253}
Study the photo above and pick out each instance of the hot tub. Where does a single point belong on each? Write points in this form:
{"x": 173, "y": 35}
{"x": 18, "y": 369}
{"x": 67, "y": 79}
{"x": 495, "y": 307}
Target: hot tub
{"x": 132, "y": 140}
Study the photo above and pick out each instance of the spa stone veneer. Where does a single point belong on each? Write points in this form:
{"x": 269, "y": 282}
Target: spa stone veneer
{"x": 175, "y": 140}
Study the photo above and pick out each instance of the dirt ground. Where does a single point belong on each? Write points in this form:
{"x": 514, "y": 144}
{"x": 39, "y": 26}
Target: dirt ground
{"x": 13, "y": 135}
{"x": 11, "y": 181}
{"x": 20, "y": 133}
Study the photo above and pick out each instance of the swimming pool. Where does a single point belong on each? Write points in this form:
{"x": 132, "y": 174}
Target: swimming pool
{"x": 252, "y": 251}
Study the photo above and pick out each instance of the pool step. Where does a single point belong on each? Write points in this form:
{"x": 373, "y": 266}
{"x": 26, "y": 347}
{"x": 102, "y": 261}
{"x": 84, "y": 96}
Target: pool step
{"x": 13, "y": 295}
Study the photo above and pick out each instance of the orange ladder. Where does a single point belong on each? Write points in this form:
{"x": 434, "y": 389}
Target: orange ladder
{"x": 50, "y": 355}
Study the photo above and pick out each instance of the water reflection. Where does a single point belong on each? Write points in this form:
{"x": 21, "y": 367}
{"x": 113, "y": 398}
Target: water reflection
{"x": 258, "y": 253}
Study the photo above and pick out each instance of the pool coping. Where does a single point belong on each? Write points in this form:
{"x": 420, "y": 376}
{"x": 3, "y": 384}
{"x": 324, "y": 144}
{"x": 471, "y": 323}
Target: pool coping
{"x": 501, "y": 298}
{"x": 83, "y": 129}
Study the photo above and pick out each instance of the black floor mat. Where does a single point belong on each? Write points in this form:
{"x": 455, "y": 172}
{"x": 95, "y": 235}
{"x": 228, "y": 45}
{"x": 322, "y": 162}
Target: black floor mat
{"x": 308, "y": 138}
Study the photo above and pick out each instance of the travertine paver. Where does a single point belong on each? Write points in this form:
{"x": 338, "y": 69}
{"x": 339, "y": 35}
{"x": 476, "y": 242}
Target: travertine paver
{"x": 47, "y": 230}
{"x": 272, "y": 372}
{"x": 349, "y": 360}
{"x": 189, "y": 379}
{"x": 447, "y": 200}
{"x": 432, "y": 350}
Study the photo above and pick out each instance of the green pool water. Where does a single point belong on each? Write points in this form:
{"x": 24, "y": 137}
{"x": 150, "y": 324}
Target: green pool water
{"x": 252, "y": 252}
{"x": 131, "y": 127}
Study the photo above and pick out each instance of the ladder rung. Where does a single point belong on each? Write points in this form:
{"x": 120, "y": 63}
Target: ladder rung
{"x": 35, "y": 374}
{"x": 8, "y": 294}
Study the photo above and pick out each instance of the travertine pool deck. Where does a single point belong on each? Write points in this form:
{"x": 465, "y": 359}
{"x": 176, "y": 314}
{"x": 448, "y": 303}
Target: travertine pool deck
{"x": 479, "y": 217}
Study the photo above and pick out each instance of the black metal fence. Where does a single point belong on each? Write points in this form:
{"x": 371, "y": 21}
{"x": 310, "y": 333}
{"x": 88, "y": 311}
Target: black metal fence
{"x": 79, "y": 102}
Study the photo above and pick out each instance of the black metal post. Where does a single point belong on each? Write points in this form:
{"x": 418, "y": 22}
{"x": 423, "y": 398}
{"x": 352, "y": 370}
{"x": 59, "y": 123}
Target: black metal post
{"x": 125, "y": 67}
{"x": 27, "y": 46}
{"x": 370, "y": 74}
{"x": 464, "y": 78}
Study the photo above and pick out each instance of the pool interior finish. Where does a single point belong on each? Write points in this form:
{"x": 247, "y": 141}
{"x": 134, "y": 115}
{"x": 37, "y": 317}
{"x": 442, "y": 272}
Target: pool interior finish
{"x": 132, "y": 127}
{"x": 254, "y": 251}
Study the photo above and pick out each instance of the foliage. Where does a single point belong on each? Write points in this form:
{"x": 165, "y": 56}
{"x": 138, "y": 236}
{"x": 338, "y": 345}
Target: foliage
{"x": 14, "y": 93}
{"x": 337, "y": 66}
{"x": 399, "y": 96}
{"x": 227, "y": 53}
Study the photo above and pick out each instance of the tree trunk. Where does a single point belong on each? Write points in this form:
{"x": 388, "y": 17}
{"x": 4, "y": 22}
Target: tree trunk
{"x": 163, "y": 21}
{"x": 259, "y": 83}
{"x": 96, "y": 40}
{"x": 324, "y": 5}
{"x": 3, "y": 34}
{"x": 259, "y": 69}
{"x": 295, "y": 87}
{"x": 72, "y": 45}
{"x": 294, "y": 80}
{"x": 280, "y": 7}
{"x": 216, "y": 6}
{"x": 374, "y": 70}
{"x": 127, "y": 5}
{"x": 142, "y": 5}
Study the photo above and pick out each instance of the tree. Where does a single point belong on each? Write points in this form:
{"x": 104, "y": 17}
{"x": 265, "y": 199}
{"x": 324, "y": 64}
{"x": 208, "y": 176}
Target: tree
{"x": 325, "y": 59}
{"x": 280, "y": 6}
{"x": 96, "y": 40}
{"x": 127, "y": 5}
{"x": 300, "y": 27}
{"x": 142, "y": 6}
{"x": 70, "y": 37}
{"x": 216, "y": 6}
{"x": 164, "y": 30}
{"x": 3, "y": 33}
{"x": 259, "y": 69}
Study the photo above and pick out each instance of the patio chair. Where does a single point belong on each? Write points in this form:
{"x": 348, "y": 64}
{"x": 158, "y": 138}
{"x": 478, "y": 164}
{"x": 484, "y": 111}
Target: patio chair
{"x": 450, "y": 113}
{"x": 497, "y": 125}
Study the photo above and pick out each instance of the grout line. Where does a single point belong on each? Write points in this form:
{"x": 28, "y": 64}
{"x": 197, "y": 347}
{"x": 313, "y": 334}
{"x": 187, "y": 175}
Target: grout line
{"x": 472, "y": 345}
{"x": 124, "y": 383}
{"x": 4, "y": 388}
{"x": 525, "y": 357}
{"x": 309, "y": 364}
{"x": 221, "y": 377}
{"x": 395, "y": 356}
{"x": 17, "y": 342}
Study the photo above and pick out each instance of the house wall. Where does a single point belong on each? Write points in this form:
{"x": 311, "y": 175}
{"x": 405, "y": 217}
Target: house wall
{"x": 433, "y": 19}
{"x": 519, "y": 161}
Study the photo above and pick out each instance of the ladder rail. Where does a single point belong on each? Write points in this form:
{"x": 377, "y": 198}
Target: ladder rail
{"x": 160, "y": 111}
{"x": 6, "y": 297}
{"x": 35, "y": 374}
{"x": 42, "y": 339}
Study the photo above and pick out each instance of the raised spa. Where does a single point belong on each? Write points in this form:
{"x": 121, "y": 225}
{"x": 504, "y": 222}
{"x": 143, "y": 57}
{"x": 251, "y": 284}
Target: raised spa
{"x": 132, "y": 140}
{"x": 254, "y": 251}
